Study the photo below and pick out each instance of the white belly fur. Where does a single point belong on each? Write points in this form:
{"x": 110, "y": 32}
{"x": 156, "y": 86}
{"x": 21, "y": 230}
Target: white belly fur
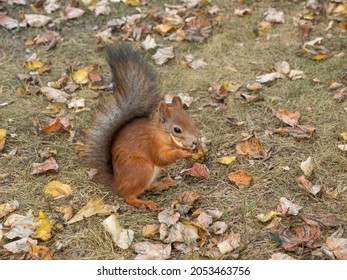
{"x": 156, "y": 171}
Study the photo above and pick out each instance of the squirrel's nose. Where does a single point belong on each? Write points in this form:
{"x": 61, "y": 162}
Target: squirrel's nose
{"x": 195, "y": 142}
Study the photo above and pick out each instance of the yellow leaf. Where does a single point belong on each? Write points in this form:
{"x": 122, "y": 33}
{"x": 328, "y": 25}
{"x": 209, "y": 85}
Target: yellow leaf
{"x": 94, "y": 206}
{"x": 343, "y": 135}
{"x": 134, "y": 3}
{"x": 43, "y": 231}
{"x": 150, "y": 231}
{"x": 81, "y": 76}
{"x": 57, "y": 189}
{"x": 163, "y": 28}
{"x": 34, "y": 64}
{"x": 2, "y": 138}
{"x": 319, "y": 57}
{"x": 199, "y": 155}
{"x": 267, "y": 217}
{"x": 226, "y": 160}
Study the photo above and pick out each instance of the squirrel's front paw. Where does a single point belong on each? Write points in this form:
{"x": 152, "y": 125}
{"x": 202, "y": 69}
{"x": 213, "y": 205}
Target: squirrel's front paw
{"x": 186, "y": 154}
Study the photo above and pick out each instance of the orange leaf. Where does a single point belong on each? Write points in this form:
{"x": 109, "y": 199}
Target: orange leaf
{"x": 288, "y": 117}
{"x": 250, "y": 146}
{"x": 241, "y": 178}
{"x": 198, "y": 170}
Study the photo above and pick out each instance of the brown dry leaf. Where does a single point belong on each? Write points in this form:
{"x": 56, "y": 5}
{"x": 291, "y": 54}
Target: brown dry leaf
{"x": 230, "y": 244}
{"x": 250, "y": 146}
{"x": 338, "y": 245}
{"x": 264, "y": 27}
{"x": 198, "y": 170}
{"x": 288, "y": 117}
{"x": 40, "y": 252}
{"x": 198, "y": 29}
{"x": 307, "y": 166}
{"x": 240, "y": 178}
{"x": 20, "y": 246}
{"x": 296, "y": 238}
{"x": 8, "y": 207}
{"x": 59, "y": 123}
{"x": 321, "y": 220}
{"x": 8, "y": 22}
{"x": 3, "y": 133}
{"x": 35, "y": 20}
{"x": 186, "y": 99}
{"x": 304, "y": 131}
{"x": 254, "y": 86}
{"x": 179, "y": 232}
{"x": 274, "y": 223}
{"x": 66, "y": 210}
{"x": 94, "y": 206}
{"x": 55, "y": 95}
{"x": 226, "y": 160}
{"x": 195, "y": 64}
{"x": 121, "y": 237}
{"x": 81, "y": 76}
{"x": 163, "y": 184}
{"x": 281, "y": 256}
{"x": 51, "y": 6}
{"x": 286, "y": 207}
{"x": 152, "y": 251}
{"x": 102, "y": 8}
{"x": 203, "y": 220}
{"x": 57, "y": 190}
{"x": 48, "y": 165}
{"x": 246, "y": 98}
{"x": 308, "y": 186}
{"x": 219, "y": 227}
{"x": 163, "y": 55}
{"x": 242, "y": 11}
{"x": 150, "y": 231}
{"x": 267, "y": 217}
{"x": 76, "y": 102}
{"x": 282, "y": 67}
{"x": 296, "y": 74}
{"x": 185, "y": 248}
{"x": 72, "y": 12}
{"x": 44, "y": 229}
{"x": 168, "y": 216}
{"x": 266, "y": 78}
{"x": 188, "y": 197}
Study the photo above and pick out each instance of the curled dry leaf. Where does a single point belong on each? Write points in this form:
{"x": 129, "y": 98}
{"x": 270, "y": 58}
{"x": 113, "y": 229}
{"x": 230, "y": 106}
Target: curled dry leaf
{"x": 8, "y": 208}
{"x": 307, "y": 166}
{"x": 198, "y": 170}
{"x": 254, "y": 86}
{"x": 246, "y": 98}
{"x": 230, "y": 244}
{"x": 40, "y": 252}
{"x": 149, "y": 43}
{"x": 81, "y": 76}
{"x": 59, "y": 123}
{"x": 281, "y": 256}
{"x": 168, "y": 216}
{"x": 179, "y": 232}
{"x": 338, "y": 245}
{"x": 275, "y": 16}
{"x": 121, "y": 237}
{"x": 48, "y": 165}
{"x": 282, "y": 67}
{"x": 163, "y": 55}
{"x": 21, "y": 245}
{"x": 188, "y": 197}
{"x": 35, "y": 20}
{"x": 296, "y": 74}
{"x": 267, "y": 217}
{"x": 296, "y": 238}
{"x": 150, "y": 231}
{"x": 288, "y": 117}
{"x": 152, "y": 251}
{"x": 57, "y": 190}
{"x": 94, "y": 206}
{"x": 321, "y": 220}
{"x": 72, "y": 12}
{"x": 204, "y": 220}
{"x": 304, "y": 131}
{"x": 250, "y": 146}
{"x": 226, "y": 160}
{"x": 219, "y": 227}
{"x": 286, "y": 207}
{"x": 242, "y": 11}
{"x": 266, "y": 78}
{"x": 55, "y": 95}
{"x": 198, "y": 29}
{"x": 44, "y": 229}
{"x": 195, "y": 64}
{"x": 240, "y": 178}
{"x": 308, "y": 186}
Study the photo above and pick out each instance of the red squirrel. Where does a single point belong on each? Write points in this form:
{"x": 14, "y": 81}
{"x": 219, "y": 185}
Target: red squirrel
{"x": 135, "y": 133}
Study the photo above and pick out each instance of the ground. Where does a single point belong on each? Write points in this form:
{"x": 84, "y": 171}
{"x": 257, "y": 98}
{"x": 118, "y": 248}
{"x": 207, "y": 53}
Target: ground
{"x": 234, "y": 53}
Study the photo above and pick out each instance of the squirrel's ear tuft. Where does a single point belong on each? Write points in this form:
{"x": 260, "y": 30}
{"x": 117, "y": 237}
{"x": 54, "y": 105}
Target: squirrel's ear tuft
{"x": 177, "y": 102}
{"x": 163, "y": 111}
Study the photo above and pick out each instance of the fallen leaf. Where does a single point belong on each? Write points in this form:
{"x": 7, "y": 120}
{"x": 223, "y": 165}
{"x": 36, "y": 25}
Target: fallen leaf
{"x": 44, "y": 229}
{"x": 230, "y": 244}
{"x": 47, "y": 153}
{"x": 76, "y": 102}
{"x": 67, "y": 211}
{"x": 51, "y": 5}
{"x": 185, "y": 248}
{"x": 8, "y": 207}
{"x": 20, "y": 246}
{"x": 254, "y": 86}
{"x": 264, "y": 27}
{"x": 35, "y": 20}
{"x": 72, "y": 12}
{"x": 282, "y": 67}
{"x": 149, "y": 43}
{"x": 219, "y": 227}
{"x": 274, "y": 223}
{"x": 150, "y": 231}
{"x": 295, "y": 238}
{"x": 342, "y": 147}
{"x": 286, "y": 207}
{"x": 275, "y": 16}
{"x": 188, "y": 197}
{"x": 179, "y": 232}
{"x": 267, "y": 217}
{"x": 3, "y": 133}
{"x": 198, "y": 170}
{"x": 304, "y": 131}
{"x": 203, "y": 220}
{"x": 121, "y": 237}
{"x": 168, "y": 216}
{"x": 307, "y": 166}
{"x": 102, "y": 8}
{"x": 57, "y": 190}
{"x": 240, "y": 178}
{"x": 152, "y": 251}
{"x": 94, "y": 206}
{"x": 226, "y": 160}
{"x": 34, "y": 64}
{"x": 321, "y": 220}
{"x": 48, "y": 165}
{"x": 246, "y": 98}
{"x": 8, "y": 22}
{"x": 296, "y": 74}
{"x": 163, "y": 55}
{"x": 288, "y": 117}
{"x": 250, "y": 146}
{"x": 344, "y": 136}
{"x": 281, "y": 256}
{"x": 186, "y": 99}
{"x": 338, "y": 245}
{"x": 40, "y": 252}
{"x": 308, "y": 186}
{"x": 81, "y": 76}
{"x": 55, "y": 95}
{"x": 195, "y": 64}
{"x": 242, "y": 11}
{"x": 60, "y": 122}
{"x": 198, "y": 29}
{"x": 266, "y": 78}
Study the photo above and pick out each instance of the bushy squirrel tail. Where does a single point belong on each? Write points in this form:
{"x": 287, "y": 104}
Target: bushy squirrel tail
{"x": 135, "y": 96}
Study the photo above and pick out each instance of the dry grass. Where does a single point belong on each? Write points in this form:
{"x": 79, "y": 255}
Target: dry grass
{"x": 232, "y": 45}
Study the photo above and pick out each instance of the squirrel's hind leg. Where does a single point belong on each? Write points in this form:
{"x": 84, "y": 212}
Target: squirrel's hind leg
{"x": 131, "y": 180}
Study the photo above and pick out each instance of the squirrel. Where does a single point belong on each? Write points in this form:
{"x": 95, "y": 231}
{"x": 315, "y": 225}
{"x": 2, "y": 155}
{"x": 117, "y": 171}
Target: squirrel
{"x": 135, "y": 133}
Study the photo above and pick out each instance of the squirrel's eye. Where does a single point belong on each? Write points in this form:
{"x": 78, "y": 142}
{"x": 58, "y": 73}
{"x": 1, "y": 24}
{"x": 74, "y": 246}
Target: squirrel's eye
{"x": 177, "y": 130}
